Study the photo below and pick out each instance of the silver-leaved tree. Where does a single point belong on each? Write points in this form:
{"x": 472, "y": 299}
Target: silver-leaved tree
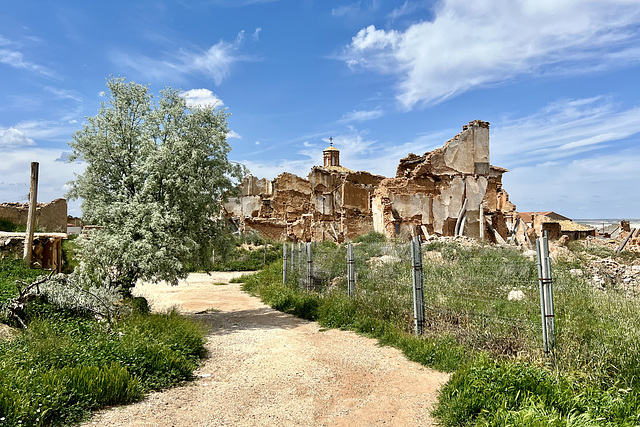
{"x": 156, "y": 173}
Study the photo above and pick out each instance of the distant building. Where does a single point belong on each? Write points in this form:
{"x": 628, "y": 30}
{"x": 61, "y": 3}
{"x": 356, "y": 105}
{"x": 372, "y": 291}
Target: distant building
{"x": 556, "y": 225}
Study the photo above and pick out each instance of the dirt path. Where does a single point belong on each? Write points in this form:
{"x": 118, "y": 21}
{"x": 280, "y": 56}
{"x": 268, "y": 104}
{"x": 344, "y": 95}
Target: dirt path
{"x": 268, "y": 368}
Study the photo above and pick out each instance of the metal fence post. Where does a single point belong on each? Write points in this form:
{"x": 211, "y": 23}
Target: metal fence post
{"x": 284, "y": 263}
{"x": 309, "y": 266}
{"x": 418, "y": 296}
{"x": 546, "y": 293}
{"x": 351, "y": 271}
{"x": 293, "y": 258}
{"x": 299, "y": 256}
{"x": 550, "y": 316}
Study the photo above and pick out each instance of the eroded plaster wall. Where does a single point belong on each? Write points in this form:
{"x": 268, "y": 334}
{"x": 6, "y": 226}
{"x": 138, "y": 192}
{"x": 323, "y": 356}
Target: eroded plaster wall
{"x": 50, "y": 217}
{"x": 427, "y": 195}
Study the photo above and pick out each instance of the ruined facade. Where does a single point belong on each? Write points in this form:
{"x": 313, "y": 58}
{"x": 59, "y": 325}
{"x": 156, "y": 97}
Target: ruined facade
{"x": 452, "y": 190}
{"x": 449, "y": 191}
{"x": 50, "y": 217}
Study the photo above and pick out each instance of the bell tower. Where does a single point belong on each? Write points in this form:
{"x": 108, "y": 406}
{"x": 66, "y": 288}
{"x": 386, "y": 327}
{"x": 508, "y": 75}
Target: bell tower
{"x": 331, "y": 155}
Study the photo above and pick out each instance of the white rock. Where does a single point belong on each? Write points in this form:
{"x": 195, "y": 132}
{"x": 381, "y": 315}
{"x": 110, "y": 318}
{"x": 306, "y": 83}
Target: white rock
{"x": 516, "y": 295}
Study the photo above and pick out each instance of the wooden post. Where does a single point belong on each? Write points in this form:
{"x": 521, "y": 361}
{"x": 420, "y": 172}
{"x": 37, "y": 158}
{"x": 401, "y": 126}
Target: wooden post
{"x": 463, "y": 211}
{"x": 31, "y": 218}
{"x": 624, "y": 243}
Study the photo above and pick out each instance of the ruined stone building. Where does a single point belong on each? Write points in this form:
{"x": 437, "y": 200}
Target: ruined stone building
{"x": 452, "y": 190}
{"x": 51, "y": 223}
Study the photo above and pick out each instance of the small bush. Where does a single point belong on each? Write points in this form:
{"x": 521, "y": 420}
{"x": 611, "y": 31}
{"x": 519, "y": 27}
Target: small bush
{"x": 6, "y": 225}
{"x": 69, "y": 249}
{"x": 247, "y": 253}
{"x": 371, "y": 237}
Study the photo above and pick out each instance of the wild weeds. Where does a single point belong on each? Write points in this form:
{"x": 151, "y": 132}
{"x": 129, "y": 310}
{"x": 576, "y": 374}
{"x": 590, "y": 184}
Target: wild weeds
{"x": 66, "y": 363}
{"x": 492, "y": 341}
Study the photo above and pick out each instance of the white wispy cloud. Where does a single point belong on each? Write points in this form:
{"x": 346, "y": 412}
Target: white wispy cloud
{"x": 49, "y": 130}
{"x": 215, "y": 62}
{"x": 234, "y": 134}
{"x": 562, "y": 130}
{"x": 489, "y": 43}
{"x": 362, "y": 115}
{"x": 64, "y": 94}
{"x": 16, "y": 59}
{"x": 346, "y": 9}
{"x": 569, "y": 155}
{"x": 12, "y": 137}
{"x": 407, "y": 8}
{"x": 270, "y": 170}
{"x": 54, "y": 175}
{"x": 201, "y": 98}
{"x": 594, "y": 187}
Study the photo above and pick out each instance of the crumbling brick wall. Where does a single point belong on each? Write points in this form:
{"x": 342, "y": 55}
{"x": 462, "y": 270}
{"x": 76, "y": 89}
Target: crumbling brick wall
{"x": 50, "y": 217}
{"x": 430, "y": 191}
{"x": 426, "y": 195}
{"x": 46, "y": 252}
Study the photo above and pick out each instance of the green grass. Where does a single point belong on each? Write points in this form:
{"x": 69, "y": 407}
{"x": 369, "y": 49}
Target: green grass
{"x": 65, "y": 364}
{"x": 6, "y": 225}
{"x": 492, "y": 345}
{"x": 69, "y": 249}
{"x": 10, "y": 271}
{"x": 247, "y": 253}
{"x": 336, "y": 310}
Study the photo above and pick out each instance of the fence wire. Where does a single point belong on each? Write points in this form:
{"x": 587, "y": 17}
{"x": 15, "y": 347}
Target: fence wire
{"x": 469, "y": 294}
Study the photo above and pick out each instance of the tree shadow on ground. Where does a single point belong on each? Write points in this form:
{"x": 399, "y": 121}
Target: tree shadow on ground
{"x": 228, "y": 322}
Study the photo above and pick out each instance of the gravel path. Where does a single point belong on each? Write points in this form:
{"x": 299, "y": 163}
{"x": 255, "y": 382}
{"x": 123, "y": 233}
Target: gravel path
{"x": 268, "y": 368}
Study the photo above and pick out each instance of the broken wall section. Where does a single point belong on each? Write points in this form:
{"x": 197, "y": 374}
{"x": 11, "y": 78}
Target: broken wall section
{"x": 432, "y": 192}
{"x": 50, "y": 217}
{"x": 341, "y": 205}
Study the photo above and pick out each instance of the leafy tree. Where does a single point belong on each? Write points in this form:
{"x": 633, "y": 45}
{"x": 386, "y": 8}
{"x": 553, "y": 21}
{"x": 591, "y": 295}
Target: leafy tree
{"x": 156, "y": 172}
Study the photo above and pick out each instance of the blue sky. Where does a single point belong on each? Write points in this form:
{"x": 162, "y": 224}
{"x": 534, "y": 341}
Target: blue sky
{"x": 559, "y": 81}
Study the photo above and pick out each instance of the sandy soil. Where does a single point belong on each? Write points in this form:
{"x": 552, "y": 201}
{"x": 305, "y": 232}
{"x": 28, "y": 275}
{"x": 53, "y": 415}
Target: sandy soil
{"x": 269, "y": 368}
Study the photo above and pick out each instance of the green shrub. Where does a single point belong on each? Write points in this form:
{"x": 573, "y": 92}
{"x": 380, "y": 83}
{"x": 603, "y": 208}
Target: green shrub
{"x": 64, "y": 366}
{"x": 69, "y": 249}
{"x": 6, "y": 225}
{"x": 371, "y": 237}
{"x": 248, "y": 258}
{"x": 10, "y": 271}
